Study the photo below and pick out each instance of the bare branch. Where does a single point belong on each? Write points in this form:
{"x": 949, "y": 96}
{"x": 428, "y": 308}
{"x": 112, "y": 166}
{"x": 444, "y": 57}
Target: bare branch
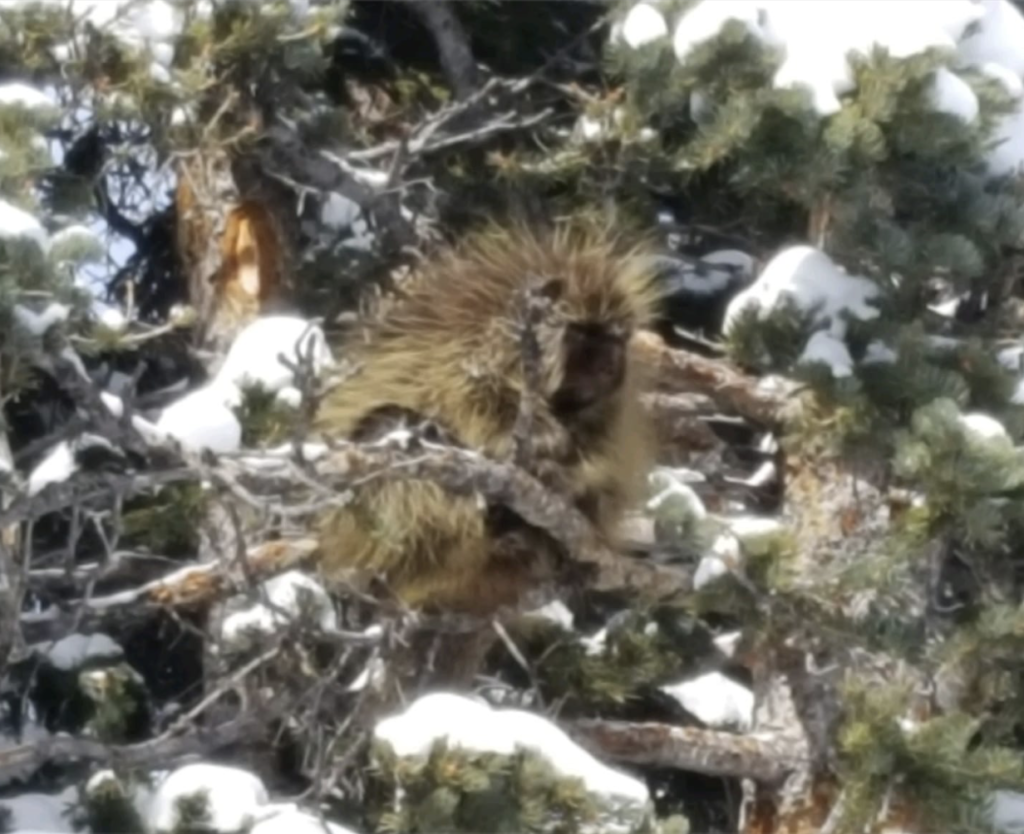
{"x": 765, "y": 758}
{"x": 160, "y": 751}
{"x": 679, "y": 370}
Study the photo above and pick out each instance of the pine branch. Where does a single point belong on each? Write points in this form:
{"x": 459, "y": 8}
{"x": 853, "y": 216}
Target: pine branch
{"x": 766, "y": 758}
{"x": 676, "y": 370}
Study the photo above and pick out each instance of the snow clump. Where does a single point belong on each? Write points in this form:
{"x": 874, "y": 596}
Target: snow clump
{"x": 473, "y": 726}
{"x": 642, "y": 25}
{"x": 202, "y": 420}
{"x": 816, "y": 40}
{"x": 18, "y": 94}
{"x": 17, "y": 223}
{"x": 254, "y": 356}
{"x": 234, "y": 796}
{"x": 74, "y": 650}
{"x": 808, "y": 279}
{"x": 288, "y": 595}
{"x": 716, "y": 700}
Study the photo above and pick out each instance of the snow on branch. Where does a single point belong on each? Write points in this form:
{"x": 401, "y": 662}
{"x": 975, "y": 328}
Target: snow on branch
{"x": 157, "y": 752}
{"x": 253, "y": 478}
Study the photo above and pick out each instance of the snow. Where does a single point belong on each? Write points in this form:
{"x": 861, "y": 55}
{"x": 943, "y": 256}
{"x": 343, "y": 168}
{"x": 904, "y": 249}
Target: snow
{"x": 700, "y": 107}
{"x": 998, "y": 38}
{"x": 271, "y": 458}
{"x": 755, "y": 533}
{"x": 234, "y": 796}
{"x": 338, "y": 212}
{"x": 18, "y": 223}
{"x": 202, "y": 420}
{"x": 1007, "y": 157}
{"x": 29, "y": 731}
{"x": 709, "y": 569}
{"x": 714, "y": 272}
{"x": 16, "y": 93}
{"x": 77, "y": 234}
{"x": 728, "y": 643}
{"x": 828, "y": 349}
{"x": 290, "y": 592}
{"x": 983, "y": 428}
{"x": 742, "y": 262}
{"x": 555, "y": 612}
{"x": 1012, "y": 358}
{"x": 289, "y": 397}
{"x": 38, "y": 323}
{"x": 55, "y": 468}
{"x": 591, "y": 129}
{"x": 40, "y": 811}
{"x": 287, "y": 818}
{"x": 705, "y": 20}
{"x": 140, "y": 792}
{"x": 372, "y": 675}
{"x": 1006, "y": 811}
{"x": 145, "y": 428}
{"x": 253, "y": 356}
{"x": 671, "y": 487}
{"x": 473, "y": 726}
{"x": 949, "y": 93}
{"x": 725, "y": 557}
{"x": 111, "y": 318}
{"x": 716, "y": 700}
{"x": 815, "y": 39}
{"x": 879, "y": 353}
{"x": 807, "y": 277}
{"x": 1004, "y": 75}
{"x": 72, "y": 651}
{"x": 643, "y": 24}
{"x": 595, "y": 644}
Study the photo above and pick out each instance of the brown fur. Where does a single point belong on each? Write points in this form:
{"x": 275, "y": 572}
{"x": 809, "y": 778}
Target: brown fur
{"x": 447, "y": 351}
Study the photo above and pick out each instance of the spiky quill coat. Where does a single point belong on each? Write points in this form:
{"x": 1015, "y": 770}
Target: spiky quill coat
{"x": 449, "y": 351}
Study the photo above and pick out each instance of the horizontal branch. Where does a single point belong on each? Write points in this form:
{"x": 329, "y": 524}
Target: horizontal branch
{"x": 675, "y": 370}
{"x": 158, "y": 752}
{"x": 764, "y": 758}
{"x": 347, "y": 468}
{"x": 201, "y": 584}
{"x": 84, "y": 487}
{"x": 189, "y": 587}
{"x": 466, "y": 472}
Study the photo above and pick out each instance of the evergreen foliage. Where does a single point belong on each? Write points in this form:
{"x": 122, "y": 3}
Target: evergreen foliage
{"x": 896, "y": 561}
{"x": 453, "y": 791}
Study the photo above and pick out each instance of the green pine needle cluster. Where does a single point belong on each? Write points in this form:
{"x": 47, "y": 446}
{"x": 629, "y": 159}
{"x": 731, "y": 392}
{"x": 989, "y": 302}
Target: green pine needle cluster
{"x": 165, "y": 523}
{"x": 453, "y": 790}
{"x": 935, "y": 765}
{"x": 636, "y": 655}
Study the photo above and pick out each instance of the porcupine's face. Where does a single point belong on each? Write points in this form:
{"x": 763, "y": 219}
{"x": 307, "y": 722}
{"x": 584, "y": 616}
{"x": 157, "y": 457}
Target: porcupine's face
{"x": 593, "y": 366}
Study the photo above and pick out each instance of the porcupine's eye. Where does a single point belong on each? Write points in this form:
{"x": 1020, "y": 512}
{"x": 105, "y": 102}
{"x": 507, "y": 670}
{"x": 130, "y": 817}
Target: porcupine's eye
{"x": 594, "y": 366}
{"x": 552, "y": 289}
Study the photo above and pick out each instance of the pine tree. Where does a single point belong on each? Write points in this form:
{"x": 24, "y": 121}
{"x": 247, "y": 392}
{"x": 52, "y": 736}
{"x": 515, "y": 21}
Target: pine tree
{"x": 829, "y": 544}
